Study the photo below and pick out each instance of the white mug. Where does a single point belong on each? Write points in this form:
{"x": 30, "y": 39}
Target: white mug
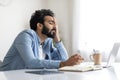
{"x": 96, "y": 58}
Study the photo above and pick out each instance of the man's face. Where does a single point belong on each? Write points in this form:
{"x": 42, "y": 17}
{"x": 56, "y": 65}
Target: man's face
{"x": 49, "y": 27}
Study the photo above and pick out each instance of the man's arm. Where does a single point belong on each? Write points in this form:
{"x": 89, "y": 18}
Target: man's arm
{"x": 73, "y": 60}
{"x": 23, "y": 44}
{"x": 59, "y": 52}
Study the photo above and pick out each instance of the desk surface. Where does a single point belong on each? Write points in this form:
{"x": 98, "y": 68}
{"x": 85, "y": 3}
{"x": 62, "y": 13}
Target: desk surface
{"x": 104, "y": 74}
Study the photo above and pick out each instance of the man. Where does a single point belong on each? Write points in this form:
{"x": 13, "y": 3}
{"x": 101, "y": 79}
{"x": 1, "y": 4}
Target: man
{"x": 34, "y": 48}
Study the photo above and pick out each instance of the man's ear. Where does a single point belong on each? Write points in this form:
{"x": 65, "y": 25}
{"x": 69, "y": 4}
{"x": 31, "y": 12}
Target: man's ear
{"x": 39, "y": 25}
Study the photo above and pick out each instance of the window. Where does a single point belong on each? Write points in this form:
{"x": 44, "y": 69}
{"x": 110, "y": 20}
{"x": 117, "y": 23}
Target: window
{"x": 99, "y": 25}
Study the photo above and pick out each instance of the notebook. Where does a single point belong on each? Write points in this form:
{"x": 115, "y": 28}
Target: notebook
{"x": 81, "y": 68}
{"x": 87, "y": 66}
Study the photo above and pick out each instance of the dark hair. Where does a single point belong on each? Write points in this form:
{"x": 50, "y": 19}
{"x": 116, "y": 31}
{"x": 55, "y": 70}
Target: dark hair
{"x": 38, "y": 16}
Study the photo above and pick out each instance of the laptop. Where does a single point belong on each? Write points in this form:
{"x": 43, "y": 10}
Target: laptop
{"x": 113, "y": 55}
{"x": 87, "y": 66}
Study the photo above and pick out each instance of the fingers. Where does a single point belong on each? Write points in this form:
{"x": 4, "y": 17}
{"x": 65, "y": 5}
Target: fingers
{"x": 79, "y": 61}
{"x": 55, "y": 21}
{"x": 77, "y": 56}
{"x": 75, "y": 59}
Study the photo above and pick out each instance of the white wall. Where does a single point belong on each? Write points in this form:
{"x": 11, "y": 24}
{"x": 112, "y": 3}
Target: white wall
{"x": 15, "y": 17}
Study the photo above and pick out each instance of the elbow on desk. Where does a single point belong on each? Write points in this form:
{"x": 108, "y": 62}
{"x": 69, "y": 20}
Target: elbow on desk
{"x": 34, "y": 64}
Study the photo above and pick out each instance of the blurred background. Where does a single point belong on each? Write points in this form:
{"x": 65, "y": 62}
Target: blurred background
{"x": 84, "y": 25}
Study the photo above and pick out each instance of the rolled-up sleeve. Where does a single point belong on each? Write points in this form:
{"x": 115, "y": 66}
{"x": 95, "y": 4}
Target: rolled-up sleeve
{"x": 59, "y": 52}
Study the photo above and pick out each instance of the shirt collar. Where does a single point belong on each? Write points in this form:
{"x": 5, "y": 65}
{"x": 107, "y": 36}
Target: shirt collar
{"x": 39, "y": 40}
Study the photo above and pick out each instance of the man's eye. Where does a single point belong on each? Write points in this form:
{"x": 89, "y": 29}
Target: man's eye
{"x": 50, "y": 22}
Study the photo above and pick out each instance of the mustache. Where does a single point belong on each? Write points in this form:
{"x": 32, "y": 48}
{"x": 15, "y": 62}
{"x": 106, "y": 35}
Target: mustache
{"x": 52, "y": 31}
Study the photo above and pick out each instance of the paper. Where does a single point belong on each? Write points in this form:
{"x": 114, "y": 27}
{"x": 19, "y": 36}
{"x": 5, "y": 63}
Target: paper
{"x": 79, "y": 68}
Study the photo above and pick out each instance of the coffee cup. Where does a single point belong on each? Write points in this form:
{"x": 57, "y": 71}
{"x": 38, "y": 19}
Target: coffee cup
{"x": 96, "y": 58}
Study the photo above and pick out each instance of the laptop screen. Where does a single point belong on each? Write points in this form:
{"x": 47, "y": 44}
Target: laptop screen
{"x": 113, "y": 54}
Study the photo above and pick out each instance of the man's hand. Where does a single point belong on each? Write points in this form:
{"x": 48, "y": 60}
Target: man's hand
{"x": 56, "y": 38}
{"x": 73, "y": 60}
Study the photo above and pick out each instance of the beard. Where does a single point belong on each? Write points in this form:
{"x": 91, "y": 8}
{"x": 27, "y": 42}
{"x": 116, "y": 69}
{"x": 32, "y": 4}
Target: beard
{"x": 47, "y": 32}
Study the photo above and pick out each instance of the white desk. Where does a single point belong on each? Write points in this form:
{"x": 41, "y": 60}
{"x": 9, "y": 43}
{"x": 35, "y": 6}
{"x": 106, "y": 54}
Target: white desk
{"x": 117, "y": 70}
{"x": 104, "y": 74}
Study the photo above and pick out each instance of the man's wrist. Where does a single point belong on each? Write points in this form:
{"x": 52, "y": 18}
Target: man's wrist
{"x": 58, "y": 40}
{"x": 62, "y": 64}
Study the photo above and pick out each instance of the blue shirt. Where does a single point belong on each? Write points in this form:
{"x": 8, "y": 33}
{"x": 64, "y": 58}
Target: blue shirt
{"x": 24, "y": 53}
